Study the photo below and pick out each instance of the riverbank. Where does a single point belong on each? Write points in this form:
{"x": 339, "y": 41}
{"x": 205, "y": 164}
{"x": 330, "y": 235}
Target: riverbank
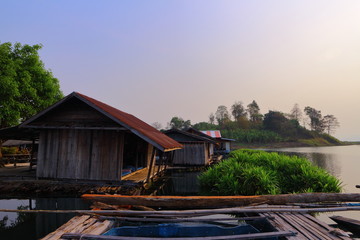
{"x": 237, "y": 145}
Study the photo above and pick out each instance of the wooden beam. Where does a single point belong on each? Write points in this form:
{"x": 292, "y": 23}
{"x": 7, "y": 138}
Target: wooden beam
{"x": 151, "y": 164}
{"x": 79, "y": 128}
{"x": 191, "y": 202}
{"x": 241, "y": 236}
{"x": 210, "y": 219}
{"x": 193, "y": 212}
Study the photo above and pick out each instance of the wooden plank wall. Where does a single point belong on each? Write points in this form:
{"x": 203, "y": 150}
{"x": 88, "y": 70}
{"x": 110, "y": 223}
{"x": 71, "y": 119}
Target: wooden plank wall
{"x": 74, "y": 113}
{"x": 191, "y": 154}
{"x": 80, "y": 154}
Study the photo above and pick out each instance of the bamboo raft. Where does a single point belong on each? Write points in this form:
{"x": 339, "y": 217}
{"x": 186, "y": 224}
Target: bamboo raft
{"x": 84, "y": 224}
{"x": 290, "y": 223}
{"x": 307, "y": 226}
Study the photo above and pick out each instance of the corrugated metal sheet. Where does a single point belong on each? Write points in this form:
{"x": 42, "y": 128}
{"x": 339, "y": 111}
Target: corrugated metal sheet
{"x": 135, "y": 125}
{"x": 212, "y": 133}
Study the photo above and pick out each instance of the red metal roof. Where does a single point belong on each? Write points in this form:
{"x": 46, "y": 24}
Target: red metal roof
{"x": 135, "y": 125}
{"x": 213, "y": 133}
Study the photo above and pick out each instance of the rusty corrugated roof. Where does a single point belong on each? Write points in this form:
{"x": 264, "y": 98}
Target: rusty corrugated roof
{"x": 135, "y": 125}
{"x": 143, "y": 129}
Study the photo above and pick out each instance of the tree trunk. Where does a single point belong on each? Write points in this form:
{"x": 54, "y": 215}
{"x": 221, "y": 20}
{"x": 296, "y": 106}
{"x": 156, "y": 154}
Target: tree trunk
{"x": 191, "y": 202}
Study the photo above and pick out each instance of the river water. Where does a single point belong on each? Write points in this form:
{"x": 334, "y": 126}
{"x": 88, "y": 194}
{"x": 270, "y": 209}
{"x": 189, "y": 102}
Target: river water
{"x": 31, "y": 226}
{"x": 341, "y": 161}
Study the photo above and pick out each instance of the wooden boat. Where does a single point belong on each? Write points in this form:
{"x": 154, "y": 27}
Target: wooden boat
{"x": 350, "y": 224}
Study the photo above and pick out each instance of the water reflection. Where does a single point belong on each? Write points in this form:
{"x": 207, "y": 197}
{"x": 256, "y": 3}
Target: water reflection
{"x": 35, "y": 225}
{"x": 325, "y": 161}
{"x": 184, "y": 183}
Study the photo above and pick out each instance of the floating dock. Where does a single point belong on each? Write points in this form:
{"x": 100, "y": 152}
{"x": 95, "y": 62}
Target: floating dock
{"x": 306, "y": 226}
{"x": 84, "y": 224}
{"x": 287, "y": 225}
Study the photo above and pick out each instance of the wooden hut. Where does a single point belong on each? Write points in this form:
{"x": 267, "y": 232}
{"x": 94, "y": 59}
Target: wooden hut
{"x": 197, "y": 150}
{"x": 84, "y": 139}
{"x": 222, "y": 146}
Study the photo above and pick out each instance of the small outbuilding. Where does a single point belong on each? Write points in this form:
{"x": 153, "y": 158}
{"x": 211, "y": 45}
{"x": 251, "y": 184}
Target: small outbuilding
{"x": 197, "y": 150}
{"x": 84, "y": 139}
{"x": 224, "y": 144}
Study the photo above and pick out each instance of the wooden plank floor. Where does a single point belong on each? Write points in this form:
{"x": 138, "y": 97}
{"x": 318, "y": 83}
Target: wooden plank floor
{"x": 306, "y": 226}
{"x": 137, "y": 176}
{"x": 84, "y": 224}
{"x": 140, "y": 175}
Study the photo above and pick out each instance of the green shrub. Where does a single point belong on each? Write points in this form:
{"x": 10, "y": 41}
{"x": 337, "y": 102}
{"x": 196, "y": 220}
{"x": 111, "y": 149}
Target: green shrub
{"x": 255, "y": 172}
{"x": 9, "y": 150}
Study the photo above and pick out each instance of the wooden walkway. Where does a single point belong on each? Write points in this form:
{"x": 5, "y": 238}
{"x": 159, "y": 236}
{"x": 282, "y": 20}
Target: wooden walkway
{"x": 140, "y": 176}
{"x": 306, "y": 226}
{"x": 84, "y": 224}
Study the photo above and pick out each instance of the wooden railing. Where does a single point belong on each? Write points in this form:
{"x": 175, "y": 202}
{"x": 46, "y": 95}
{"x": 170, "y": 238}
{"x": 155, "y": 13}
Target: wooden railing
{"x": 16, "y": 158}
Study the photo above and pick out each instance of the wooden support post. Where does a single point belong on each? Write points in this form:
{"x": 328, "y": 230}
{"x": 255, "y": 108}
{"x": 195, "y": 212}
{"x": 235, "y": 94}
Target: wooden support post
{"x": 151, "y": 164}
{"x": 161, "y": 161}
{"x": 32, "y": 154}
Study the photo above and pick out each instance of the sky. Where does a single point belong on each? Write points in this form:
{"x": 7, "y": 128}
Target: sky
{"x": 159, "y": 59}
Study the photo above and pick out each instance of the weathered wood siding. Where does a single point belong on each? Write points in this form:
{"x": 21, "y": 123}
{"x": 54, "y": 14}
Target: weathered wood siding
{"x": 80, "y": 154}
{"x": 74, "y": 113}
{"x": 192, "y": 154}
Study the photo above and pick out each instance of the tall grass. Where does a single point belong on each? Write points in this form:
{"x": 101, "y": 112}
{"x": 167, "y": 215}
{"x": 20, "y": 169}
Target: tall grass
{"x": 252, "y": 136}
{"x": 254, "y": 172}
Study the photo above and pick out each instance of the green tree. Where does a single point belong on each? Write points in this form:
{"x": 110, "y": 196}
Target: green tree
{"x": 238, "y": 111}
{"x": 254, "y": 112}
{"x": 26, "y": 86}
{"x": 222, "y": 115}
{"x": 330, "y": 122}
{"x": 316, "y": 123}
{"x": 277, "y": 122}
{"x": 205, "y": 126}
{"x": 179, "y": 123}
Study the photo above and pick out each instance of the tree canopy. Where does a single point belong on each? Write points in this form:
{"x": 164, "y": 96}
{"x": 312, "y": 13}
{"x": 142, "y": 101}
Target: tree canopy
{"x": 26, "y": 86}
{"x": 179, "y": 123}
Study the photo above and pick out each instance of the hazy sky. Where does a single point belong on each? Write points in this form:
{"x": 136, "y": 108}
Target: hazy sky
{"x": 159, "y": 59}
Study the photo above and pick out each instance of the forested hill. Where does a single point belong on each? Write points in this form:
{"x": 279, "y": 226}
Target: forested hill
{"x": 248, "y": 126}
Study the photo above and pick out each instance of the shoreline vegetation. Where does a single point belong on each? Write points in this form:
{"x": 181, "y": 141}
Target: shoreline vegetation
{"x": 256, "y": 172}
{"x": 313, "y": 143}
{"x": 251, "y": 129}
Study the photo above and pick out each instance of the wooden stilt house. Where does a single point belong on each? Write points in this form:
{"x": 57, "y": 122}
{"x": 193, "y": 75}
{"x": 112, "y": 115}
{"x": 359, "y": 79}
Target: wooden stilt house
{"x": 197, "y": 150}
{"x": 84, "y": 139}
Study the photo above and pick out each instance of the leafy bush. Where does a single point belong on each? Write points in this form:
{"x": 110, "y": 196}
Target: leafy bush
{"x": 255, "y": 172}
{"x": 9, "y": 150}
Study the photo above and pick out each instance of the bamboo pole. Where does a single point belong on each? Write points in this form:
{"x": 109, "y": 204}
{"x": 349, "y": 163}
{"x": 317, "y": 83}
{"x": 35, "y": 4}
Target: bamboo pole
{"x": 188, "y": 213}
{"x": 135, "y": 219}
{"x": 191, "y": 202}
